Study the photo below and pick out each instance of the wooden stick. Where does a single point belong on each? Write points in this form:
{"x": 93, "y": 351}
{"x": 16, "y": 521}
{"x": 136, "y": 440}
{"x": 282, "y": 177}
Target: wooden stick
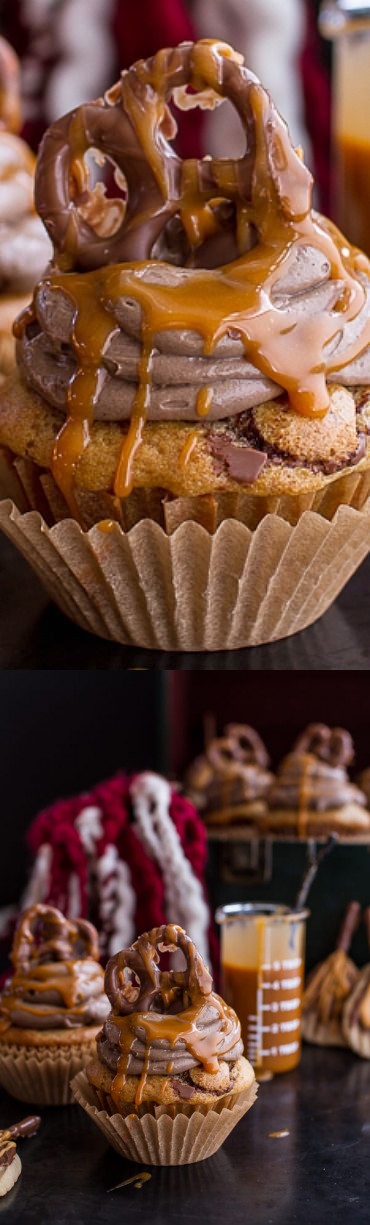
{"x": 315, "y": 857}
{"x": 350, "y": 921}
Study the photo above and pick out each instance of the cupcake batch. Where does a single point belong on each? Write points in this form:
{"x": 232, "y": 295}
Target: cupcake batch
{"x": 311, "y": 794}
{"x": 196, "y": 355}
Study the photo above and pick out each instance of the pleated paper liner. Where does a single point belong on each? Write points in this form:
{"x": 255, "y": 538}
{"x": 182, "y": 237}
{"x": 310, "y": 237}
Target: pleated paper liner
{"x": 42, "y": 1076}
{"x": 162, "y": 1139}
{"x": 198, "y": 588}
{"x": 32, "y": 488}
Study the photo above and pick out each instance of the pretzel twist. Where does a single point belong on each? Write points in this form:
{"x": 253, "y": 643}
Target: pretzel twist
{"x": 134, "y": 981}
{"x": 331, "y": 745}
{"x": 132, "y": 126}
{"x": 240, "y": 746}
{"x": 44, "y": 934}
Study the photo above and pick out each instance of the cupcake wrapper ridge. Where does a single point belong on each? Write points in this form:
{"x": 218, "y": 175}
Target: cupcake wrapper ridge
{"x": 160, "y": 1138}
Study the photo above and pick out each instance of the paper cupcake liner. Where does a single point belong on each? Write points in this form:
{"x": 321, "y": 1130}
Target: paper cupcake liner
{"x": 33, "y": 488}
{"x": 159, "y": 1139}
{"x": 194, "y": 591}
{"x": 42, "y": 1075}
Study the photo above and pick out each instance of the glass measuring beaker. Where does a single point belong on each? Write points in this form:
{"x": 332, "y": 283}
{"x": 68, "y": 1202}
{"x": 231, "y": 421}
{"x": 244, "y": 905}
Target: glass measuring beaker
{"x": 262, "y": 964}
{"x": 347, "y": 24}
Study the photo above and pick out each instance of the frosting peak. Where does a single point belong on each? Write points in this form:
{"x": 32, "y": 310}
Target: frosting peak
{"x": 57, "y": 981}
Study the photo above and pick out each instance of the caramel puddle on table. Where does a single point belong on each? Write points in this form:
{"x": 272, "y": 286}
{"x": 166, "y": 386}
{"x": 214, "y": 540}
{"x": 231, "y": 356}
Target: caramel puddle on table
{"x": 277, "y": 1135}
{"x": 138, "y": 1180}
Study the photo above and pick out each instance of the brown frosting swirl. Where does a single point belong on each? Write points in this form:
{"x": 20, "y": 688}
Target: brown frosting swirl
{"x": 58, "y": 982}
{"x": 313, "y": 776}
{"x": 164, "y": 1022}
{"x": 230, "y": 775}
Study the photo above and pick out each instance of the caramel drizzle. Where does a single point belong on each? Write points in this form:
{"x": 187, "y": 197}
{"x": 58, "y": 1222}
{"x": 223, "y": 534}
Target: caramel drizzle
{"x": 286, "y": 347}
{"x": 66, "y": 980}
{"x": 180, "y": 1028}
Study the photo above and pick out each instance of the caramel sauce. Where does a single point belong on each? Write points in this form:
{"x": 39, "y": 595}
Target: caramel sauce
{"x": 246, "y": 988}
{"x": 137, "y": 1179}
{"x": 304, "y": 793}
{"x": 284, "y": 346}
{"x": 182, "y": 1027}
{"x": 353, "y": 189}
{"x": 66, "y": 979}
{"x": 204, "y": 401}
{"x": 187, "y": 449}
{"x": 278, "y": 1135}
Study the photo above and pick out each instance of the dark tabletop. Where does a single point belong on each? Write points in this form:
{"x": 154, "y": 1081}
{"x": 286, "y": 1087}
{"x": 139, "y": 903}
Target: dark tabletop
{"x": 34, "y": 634}
{"x": 318, "y": 1173}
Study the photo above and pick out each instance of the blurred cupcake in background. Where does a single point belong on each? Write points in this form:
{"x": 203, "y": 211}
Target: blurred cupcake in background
{"x": 52, "y": 1008}
{"x": 229, "y": 782}
{"x": 25, "y": 248}
{"x": 363, "y": 782}
{"x": 312, "y": 794}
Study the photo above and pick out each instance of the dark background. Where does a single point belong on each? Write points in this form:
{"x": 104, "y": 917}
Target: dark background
{"x": 279, "y": 706}
{"x": 59, "y": 734}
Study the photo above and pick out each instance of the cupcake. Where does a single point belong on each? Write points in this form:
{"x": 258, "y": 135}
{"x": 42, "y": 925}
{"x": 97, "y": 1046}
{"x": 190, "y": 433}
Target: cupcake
{"x": 363, "y": 781}
{"x": 329, "y": 987}
{"x": 24, "y": 246}
{"x": 312, "y": 794}
{"x": 52, "y": 1008}
{"x": 169, "y": 1081}
{"x": 196, "y": 360}
{"x": 230, "y": 781}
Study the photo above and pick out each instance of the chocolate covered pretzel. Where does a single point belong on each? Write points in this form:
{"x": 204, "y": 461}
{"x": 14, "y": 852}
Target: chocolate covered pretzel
{"x": 10, "y": 1164}
{"x": 333, "y": 745}
{"x": 134, "y": 981}
{"x": 132, "y": 126}
{"x": 44, "y": 934}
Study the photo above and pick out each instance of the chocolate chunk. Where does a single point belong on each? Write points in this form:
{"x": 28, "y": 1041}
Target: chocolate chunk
{"x": 243, "y": 464}
{"x": 182, "y": 1088}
